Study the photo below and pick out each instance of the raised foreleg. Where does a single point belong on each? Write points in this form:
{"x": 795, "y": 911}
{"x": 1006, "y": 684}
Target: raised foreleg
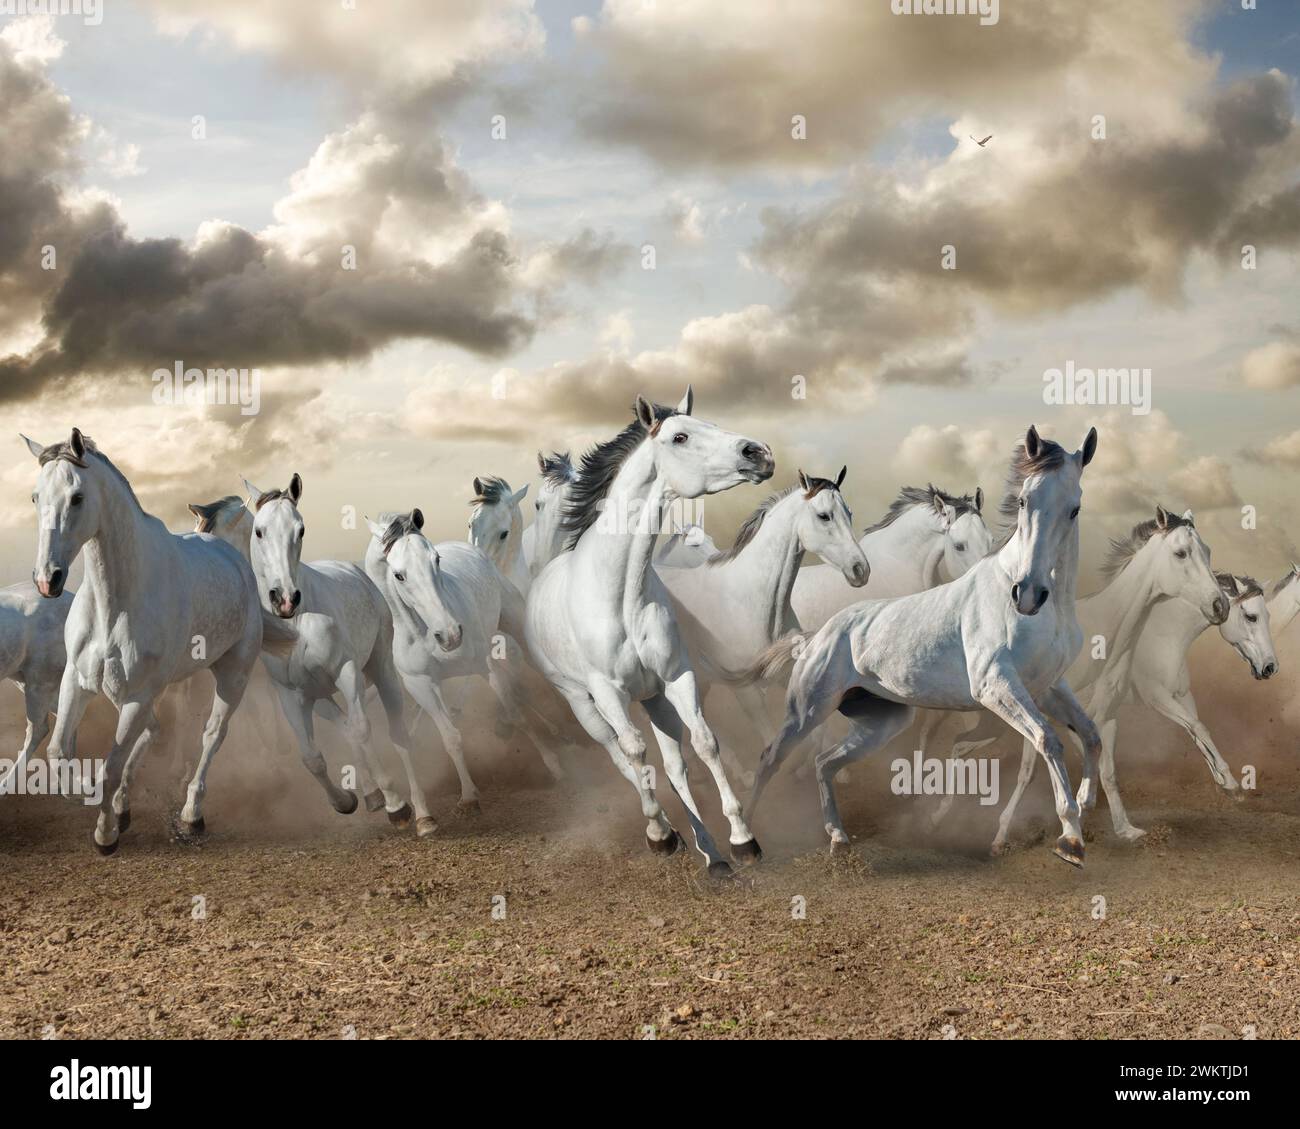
{"x": 1181, "y": 710}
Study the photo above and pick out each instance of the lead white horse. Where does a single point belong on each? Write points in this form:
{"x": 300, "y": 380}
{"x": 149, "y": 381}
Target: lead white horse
{"x": 1162, "y": 559}
{"x": 600, "y": 623}
{"x": 33, "y": 656}
{"x": 496, "y": 528}
{"x": 335, "y": 636}
{"x": 734, "y": 608}
{"x": 927, "y": 537}
{"x": 1000, "y": 637}
{"x": 154, "y": 608}
{"x": 455, "y": 616}
{"x": 544, "y": 538}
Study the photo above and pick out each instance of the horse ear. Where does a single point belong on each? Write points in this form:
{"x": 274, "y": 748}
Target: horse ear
{"x": 1032, "y": 443}
{"x": 375, "y": 528}
{"x": 541, "y": 462}
{"x": 979, "y": 499}
{"x": 77, "y": 443}
{"x": 1089, "y": 447}
{"x": 645, "y": 413}
{"x": 478, "y": 487}
{"x": 1187, "y": 517}
{"x": 253, "y": 492}
{"x": 687, "y": 401}
{"x": 1230, "y": 583}
{"x": 295, "y": 488}
{"x": 1162, "y": 517}
{"x": 36, "y": 448}
{"x": 417, "y": 518}
{"x": 1295, "y": 568}
{"x": 839, "y": 480}
{"x": 804, "y": 484}
{"x": 519, "y": 495}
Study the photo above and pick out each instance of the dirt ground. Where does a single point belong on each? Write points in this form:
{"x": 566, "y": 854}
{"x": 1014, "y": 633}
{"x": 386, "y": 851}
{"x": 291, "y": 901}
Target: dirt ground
{"x": 318, "y": 925}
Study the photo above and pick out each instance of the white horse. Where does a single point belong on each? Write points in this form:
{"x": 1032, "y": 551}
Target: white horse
{"x": 32, "y": 654}
{"x": 927, "y": 537}
{"x": 544, "y": 538}
{"x": 155, "y": 607}
{"x": 496, "y": 528}
{"x": 1284, "y": 601}
{"x": 1161, "y": 560}
{"x": 455, "y": 616}
{"x": 730, "y": 611}
{"x": 335, "y": 635}
{"x": 600, "y": 624}
{"x": 688, "y": 546}
{"x": 1001, "y": 637}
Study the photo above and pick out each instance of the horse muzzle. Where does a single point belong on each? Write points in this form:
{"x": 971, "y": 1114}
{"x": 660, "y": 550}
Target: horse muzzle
{"x": 53, "y": 586}
{"x": 1028, "y": 600}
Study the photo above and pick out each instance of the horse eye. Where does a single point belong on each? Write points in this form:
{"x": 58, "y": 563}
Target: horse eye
{"x": 959, "y": 546}
{"x": 538, "y": 506}
{"x": 259, "y": 534}
{"x": 1181, "y": 554}
{"x": 680, "y": 437}
{"x": 1022, "y": 503}
{"x": 504, "y": 534}
{"x": 398, "y": 576}
{"x": 1251, "y": 618}
{"x": 77, "y": 499}
{"x": 1074, "y": 513}
{"x": 34, "y": 498}
{"x": 824, "y": 517}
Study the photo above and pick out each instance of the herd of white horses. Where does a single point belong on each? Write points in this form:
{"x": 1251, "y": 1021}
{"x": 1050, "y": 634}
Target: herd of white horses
{"x": 928, "y": 616}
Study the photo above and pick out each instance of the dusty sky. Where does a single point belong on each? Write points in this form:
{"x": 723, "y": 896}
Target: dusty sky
{"x": 500, "y": 301}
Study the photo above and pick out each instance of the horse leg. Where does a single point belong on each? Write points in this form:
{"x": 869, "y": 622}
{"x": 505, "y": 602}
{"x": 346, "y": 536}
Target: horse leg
{"x": 132, "y": 720}
{"x": 668, "y": 727}
{"x": 1181, "y": 710}
{"x": 38, "y": 705}
{"x": 1028, "y": 761}
{"x": 1000, "y": 690}
{"x": 659, "y": 833}
{"x": 122, "y": 797}
{"x": 681, "y": 692}
{"x": 231, "y": 673}
{"x": 356, "y": 729}
{"x": 298, "y": 713}
{"x": 73, "y": 700}
{"x": 806, "y": 709}
{"x": 388, "y": 685}
{"x": 1124, "y": 827}
{"x": 754, "y": 707}
{"x": 1060, "y": 704}
{"x": 428, "y": 692}
{"x": 505, "y": 686}
{"x": 873, "y": 723}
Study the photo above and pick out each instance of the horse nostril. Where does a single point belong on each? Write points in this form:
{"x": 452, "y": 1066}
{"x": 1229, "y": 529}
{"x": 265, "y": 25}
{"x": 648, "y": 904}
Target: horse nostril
{"x": 1043, "y": 593}
{"x": 1015, "y": 592}
{"x": 1270, "y": 670}
{"x": 297, "y": 597}
{"x": 751, "y": 450}
{"x": 274, "y": 595}
{"x": 56, "y": 578}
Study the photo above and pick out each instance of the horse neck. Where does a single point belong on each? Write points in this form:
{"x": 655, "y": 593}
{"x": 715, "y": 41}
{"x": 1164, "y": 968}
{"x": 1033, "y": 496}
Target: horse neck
{"x": 766, "y": 568}
{"x": 1126, "y": 602}
{"x": 119, "y": 568}
{"x": 1178, "y": 622}
{"x": 622, "y": 556}
{"x": 376, "y": 567}
{"x": 1283, "y": 608}
{"x": 912, "y": 539}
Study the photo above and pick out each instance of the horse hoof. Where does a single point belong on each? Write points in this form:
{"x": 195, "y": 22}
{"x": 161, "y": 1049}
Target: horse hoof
{"x": 195, "y": 830}
{"x": 374, "y": 800}
{"x": 1131, "y": 834}
{"x": 1070, "y": 849}
{"x": 999, "y": 850}
{"x": 123, "y": 821}
{"x": 666, "y": 846}
{"x": 347, "y": 805}
{"x": 401, "y": 818}
{"x": 720, "y": 871}
{"x": 469, "y": 807}
{"x": 747, "y": 852}
{"x": 105, "y": 850}
{"x": 425, "y": 826}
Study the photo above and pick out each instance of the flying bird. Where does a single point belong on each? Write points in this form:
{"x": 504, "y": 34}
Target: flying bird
{"x": 981, "y": 144}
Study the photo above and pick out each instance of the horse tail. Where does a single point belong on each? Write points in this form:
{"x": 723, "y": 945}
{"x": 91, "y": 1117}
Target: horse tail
{"x": 774, "y": 661}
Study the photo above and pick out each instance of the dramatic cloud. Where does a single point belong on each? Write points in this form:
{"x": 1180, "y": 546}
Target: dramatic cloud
{"x": 1283, "y": 451}
{"x": 1272, "y": 366}
{"x": 954, "y": 458}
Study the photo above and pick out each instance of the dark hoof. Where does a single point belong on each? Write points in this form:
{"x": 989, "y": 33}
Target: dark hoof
{"x": 425, "y": 827}
{"x": 349, "y": 804}
{"x": 124, "y": 821}
{"x": 374, "y": 800}
{"x": 468, "y": 807}
{"x": 103, "y": 850}
{"x": 401, "y": 818}
{"x": 747, "y": 852}
{"x": 193, "y": 831}
{"x": 666, "y": 846}
{"x": 720, "y": 871}
{"x": 1070, "y": 849}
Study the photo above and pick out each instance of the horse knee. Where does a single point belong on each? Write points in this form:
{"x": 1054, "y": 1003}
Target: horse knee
{"x": 704, "y": 742}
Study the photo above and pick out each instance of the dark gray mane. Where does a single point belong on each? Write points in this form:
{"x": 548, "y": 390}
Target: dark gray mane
{"x": 490, "y": 491}
{"x": 64, "y": 452}
{"x": 1125, "y": 549}
{"x": 209, "y": 512}
{"x": 753, "y": 523}
{"x": 1289, "y": 578}
{"x": 1239, "y": 588}
{"x": 1050, "y": 456}
{"x": 600, "y": 466}
{"x": 928, "y": 495}
{"x": 399, "y": 525}
{"x": 557, "y": 468}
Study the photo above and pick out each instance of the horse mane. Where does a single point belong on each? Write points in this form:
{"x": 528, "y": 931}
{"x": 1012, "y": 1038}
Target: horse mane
{"x": 397, "y": 525}
{"x": 208, "y": 513}
{"x": 910, "y": 496}
{"x": 270, "y": 496}
{"x": 1051, "y": 455}
{"x": 1289, "y": 578}
{"x": 491, "y": 490}
{"x": 600, "y": 466}
{"x": 64, "y": 452}
{"x": 557, "y": 468}
{"x": 1124, "y": 549}
{"x": 1239, "y": 587}
{"x": 753, "y": 523}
